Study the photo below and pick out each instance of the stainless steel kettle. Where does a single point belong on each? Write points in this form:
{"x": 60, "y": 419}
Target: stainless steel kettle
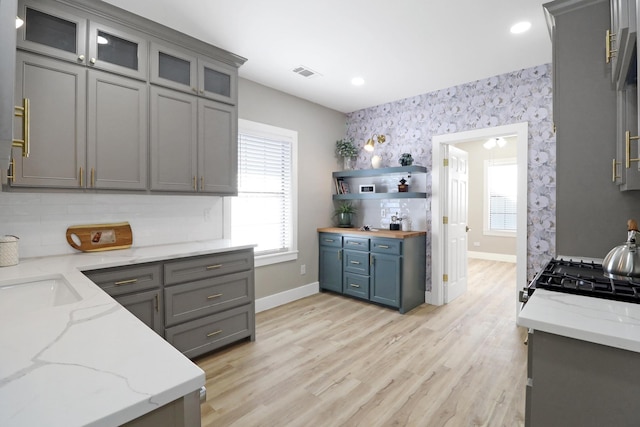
{"x": 623, "y": 262}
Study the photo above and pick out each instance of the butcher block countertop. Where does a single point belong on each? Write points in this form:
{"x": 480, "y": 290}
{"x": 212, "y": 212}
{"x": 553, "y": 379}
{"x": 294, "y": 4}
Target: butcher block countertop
{"x": 390, "y": 234}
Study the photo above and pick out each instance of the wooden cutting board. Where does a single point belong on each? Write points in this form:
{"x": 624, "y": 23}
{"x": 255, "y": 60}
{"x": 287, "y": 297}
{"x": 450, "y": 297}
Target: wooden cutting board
{"x": 100, "y": 237}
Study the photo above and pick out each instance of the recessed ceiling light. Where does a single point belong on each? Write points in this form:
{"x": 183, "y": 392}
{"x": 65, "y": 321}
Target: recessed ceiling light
{"x": 520, "y": 27}
{"x": 357, "y": 81}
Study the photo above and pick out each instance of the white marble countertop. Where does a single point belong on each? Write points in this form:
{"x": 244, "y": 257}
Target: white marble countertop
{"x": 90, "y": 361}
{"x": 597, "y": 320}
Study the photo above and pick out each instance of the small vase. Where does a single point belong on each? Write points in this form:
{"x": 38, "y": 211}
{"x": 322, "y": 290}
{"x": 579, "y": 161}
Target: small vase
{"x": 348, "y": 163}
{"x": 344, "y": 220}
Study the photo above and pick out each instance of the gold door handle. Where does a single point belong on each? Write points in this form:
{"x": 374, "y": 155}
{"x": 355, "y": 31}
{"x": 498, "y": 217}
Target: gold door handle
{"x": 219, "y": 331}
{"x": 609, "y": 53}
{"x": 214, "y": 296}
{"x": 93, "y": 177}
{"x": 25, "y": 113}
{"x": 627, "y": 143}
{"x": 81, "y": 175}
{"x": 614, "y": 167}
{"x": 125, "y": 282}
{"x": 12, "y": 168}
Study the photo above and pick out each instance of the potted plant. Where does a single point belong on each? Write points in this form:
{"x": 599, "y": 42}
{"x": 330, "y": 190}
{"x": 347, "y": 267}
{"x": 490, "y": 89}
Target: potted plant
{"x": 344, "y": 213}
{"x": 347, "y": 151}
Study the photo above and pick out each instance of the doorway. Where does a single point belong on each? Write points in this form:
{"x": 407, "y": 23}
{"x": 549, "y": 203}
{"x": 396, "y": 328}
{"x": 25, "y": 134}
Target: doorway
{"x": 438, "y": 244}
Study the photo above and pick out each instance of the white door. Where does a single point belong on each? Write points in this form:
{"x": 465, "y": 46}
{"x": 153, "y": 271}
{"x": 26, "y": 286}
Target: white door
{"x": 456, "y": 223}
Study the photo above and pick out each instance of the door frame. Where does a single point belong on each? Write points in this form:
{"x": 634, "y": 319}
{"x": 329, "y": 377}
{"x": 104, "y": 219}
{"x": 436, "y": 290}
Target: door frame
{"x": 438, "y": 186}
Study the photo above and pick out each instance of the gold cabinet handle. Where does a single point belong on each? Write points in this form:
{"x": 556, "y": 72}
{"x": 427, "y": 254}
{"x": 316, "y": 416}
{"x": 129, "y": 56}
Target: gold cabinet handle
{"x": 202, "y": 183}
{"x": 25, "y": 113}
{"x": 214, "y": 267}
{"x": 383, "y": 246}
{"x": 157, "y": 302}
{"x": 211, "y": 334}
{"x": 614, "y": 167}
{"x": 340, "y": 255}
{"x": 355, "y": 262}
{"x": 81, "y": 174}
{"x": 370, "y": 259}
{"x": 93, "y": 61}
{"x": 354, "y": 243}
{"x": 609, "y": 53}
{"x": 627, "y": 143}
{"x": 12, "y": 168}
{"x": 214, "y": 296}
{"x": 93, "y": 177}
{"x": 353, "y": 285}
{"x": 81, "y": 58}
{"x": 194, "y": 184}
{"x": 126, "y": 282}
{"x": 328, "y": 240}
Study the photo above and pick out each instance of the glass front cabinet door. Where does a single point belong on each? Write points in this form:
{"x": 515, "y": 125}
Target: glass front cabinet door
{"x": 179, "y": 69}
{"x": 62, "y": 33}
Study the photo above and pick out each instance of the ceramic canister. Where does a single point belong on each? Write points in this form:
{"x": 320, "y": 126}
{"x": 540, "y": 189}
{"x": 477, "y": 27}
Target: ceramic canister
{"x": 8, "y": 251}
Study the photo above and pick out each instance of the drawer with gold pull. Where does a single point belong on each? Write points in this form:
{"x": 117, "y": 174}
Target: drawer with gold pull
{"x": 189, "y": 301}
{"x": 208, "y": 333}
{"x": 125, "y": 280}
{"x": 197, "y": 268}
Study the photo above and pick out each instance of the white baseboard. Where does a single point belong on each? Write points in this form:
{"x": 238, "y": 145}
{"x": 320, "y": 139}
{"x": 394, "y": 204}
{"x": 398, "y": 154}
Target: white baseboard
{"x": 492, "y": 257}
{"x": 285, "y": 297}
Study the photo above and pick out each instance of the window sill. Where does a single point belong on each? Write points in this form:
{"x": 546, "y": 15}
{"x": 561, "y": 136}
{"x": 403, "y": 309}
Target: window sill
{"x": 268, "y": 259}
{"x": 500, "y": 233}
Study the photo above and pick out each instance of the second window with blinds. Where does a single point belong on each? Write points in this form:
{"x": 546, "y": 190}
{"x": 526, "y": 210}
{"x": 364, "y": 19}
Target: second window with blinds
{"x": 265, "y": 210}
{"x": 501, "y": 196}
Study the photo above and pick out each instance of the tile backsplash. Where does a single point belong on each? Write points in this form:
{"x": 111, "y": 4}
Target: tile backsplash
{"x": 40, "y": 220}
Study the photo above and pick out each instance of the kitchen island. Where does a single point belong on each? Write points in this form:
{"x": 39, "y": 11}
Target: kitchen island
{"x": 583, "y": 359}
{"x": 73, "y": 356}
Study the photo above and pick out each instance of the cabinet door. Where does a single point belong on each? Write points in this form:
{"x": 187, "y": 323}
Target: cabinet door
{"x": 386, "y": 277}
{"x": 7, "y": 78}
{"x": 117, "y": 132}
{"x": 626, "y": 121}
{"x": 217, "y": 81}
{"x": 173, "y": 140}
{"x": 146, "y": 307}
{"x": 57, "y": 32}
{"x": 218, "y": 148}
{"x": 57, "y": 91}
{"x": 174, "y": 68}
{"x": 117, "y": 50}
{"x": 331, "y": 268}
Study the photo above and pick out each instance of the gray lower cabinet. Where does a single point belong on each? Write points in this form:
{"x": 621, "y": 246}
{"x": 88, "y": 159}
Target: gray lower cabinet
{"x": 198, "y": 304}
{"x": 387, "y": 271}
{"x": 138, "y": 288}
{"x": 209, "y": 301}
{"x": 578, "y": 383}
{"x": 193, "y": 143}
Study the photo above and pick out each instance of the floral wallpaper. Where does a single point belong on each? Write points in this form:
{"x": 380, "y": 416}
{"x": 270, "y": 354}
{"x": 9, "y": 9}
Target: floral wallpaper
{"x": 520, "y": 96}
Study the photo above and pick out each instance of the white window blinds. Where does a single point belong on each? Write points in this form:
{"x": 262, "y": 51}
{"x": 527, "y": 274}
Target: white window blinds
{"x": 262, "y": 212}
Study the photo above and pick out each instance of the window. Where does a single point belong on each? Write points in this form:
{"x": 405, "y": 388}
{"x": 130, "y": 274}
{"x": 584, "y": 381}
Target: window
{"x": 501, "y": 196}
{"x": 265, "y": 210}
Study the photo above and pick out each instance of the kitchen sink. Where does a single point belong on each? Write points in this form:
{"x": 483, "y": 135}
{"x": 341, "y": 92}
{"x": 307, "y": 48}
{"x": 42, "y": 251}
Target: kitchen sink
{"x": 36, "y": 294}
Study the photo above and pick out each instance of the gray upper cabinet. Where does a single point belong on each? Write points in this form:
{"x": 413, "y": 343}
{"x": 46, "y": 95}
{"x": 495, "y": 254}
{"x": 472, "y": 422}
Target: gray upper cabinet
{"x": 116, "y": 132}
{"x": 69, "y": 34}
{"x": 621, "y": 42}
{"x": 57, "y": 91}
{"x": 217, "y": 147}
{"x": 174, "y": 140}
{"x": 7, "y": 78}
{"x": 193, "y": 144}
{"x": 186, "y": 71}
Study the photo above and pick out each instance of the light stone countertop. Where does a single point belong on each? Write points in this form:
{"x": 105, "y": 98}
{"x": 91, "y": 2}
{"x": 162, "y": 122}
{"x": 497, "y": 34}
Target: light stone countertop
{"x": 89, "y": 362}
{"x": 596, "y": 320}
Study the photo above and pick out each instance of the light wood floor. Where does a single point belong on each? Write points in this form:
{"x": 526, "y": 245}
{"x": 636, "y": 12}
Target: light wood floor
{"x": 328, "y": 360}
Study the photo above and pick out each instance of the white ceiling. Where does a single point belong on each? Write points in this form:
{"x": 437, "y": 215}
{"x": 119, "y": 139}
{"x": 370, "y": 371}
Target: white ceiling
{"x": 401, "y": 48}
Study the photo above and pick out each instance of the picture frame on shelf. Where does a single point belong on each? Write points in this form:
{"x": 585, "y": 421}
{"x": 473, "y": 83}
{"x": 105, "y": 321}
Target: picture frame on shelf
{"x": 367, "y": 188}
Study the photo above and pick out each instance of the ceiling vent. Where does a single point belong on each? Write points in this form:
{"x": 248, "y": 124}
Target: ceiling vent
{"x": 306, "y": 72}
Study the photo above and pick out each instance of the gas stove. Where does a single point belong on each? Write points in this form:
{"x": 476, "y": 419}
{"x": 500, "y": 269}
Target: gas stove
{"x": 583, "y": 278}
